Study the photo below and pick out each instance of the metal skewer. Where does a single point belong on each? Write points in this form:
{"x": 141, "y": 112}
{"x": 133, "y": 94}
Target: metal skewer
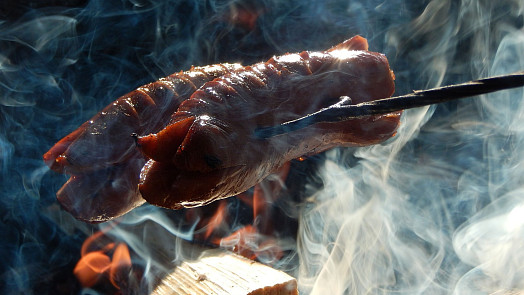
{"x": 341, "y": 112}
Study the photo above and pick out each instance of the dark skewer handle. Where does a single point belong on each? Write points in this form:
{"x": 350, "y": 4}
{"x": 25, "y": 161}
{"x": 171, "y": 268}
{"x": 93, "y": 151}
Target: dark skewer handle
{"x": 341, "y": 112}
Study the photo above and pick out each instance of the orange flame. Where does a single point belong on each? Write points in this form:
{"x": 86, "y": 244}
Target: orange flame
{"x": 103, "y": 261}
{"x": 260, "y": 204}
{"x": 244, "y": 16}
{"x": 254, "y": 240}
{"x": 217, "y": 219}
{"x": 120, "y": 265}
{"x": 241, "y": 241}
{"x": 251, "y": 244}
{"x": 91, "y": 268}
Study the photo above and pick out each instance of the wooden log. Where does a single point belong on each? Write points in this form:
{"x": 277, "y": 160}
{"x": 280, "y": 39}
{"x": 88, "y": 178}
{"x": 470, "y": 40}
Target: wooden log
{"x": 220, "y": 272}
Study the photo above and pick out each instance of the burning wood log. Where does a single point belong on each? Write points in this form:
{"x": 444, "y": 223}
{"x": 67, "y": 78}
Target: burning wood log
{"x": 220, "y": 272}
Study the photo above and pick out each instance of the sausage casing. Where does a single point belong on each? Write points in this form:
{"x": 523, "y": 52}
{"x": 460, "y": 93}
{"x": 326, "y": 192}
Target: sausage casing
{"x": 101, "y": 156}
{"x": 209, "y": 151}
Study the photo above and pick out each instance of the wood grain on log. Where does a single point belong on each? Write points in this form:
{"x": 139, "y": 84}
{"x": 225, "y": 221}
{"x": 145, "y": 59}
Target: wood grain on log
{"x": 221, "y": 272}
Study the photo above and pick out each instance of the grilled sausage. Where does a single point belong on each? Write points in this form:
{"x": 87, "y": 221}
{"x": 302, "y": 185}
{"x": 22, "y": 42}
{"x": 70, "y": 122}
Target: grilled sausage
{"x": 209, "y": 151}
{"x": 101, "y": 156}
{"x": 105, "y": 139}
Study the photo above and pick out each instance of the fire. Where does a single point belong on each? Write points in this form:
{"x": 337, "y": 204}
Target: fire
{"x": 248, "y": 242}
{"x": 253, "y": 240}
{"x": 120, "y": 265}
{"x": 106, "y": 263}
{"x": 216, "y": 220}
{"x": 110, "y": 262}
{"x": 91, "y": 268}
{"x": 244, "y": 15}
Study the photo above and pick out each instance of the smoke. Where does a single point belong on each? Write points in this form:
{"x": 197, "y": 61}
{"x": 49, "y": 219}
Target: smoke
{"x": 436, "y": 210}
{"x": 491, "y": 240}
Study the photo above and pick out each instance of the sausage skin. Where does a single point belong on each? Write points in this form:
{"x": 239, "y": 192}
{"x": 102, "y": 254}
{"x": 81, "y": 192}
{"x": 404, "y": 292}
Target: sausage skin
{"x": 101, "y": 156}
{"x": 208, "y": 151}
{"x": 106, "y": 139}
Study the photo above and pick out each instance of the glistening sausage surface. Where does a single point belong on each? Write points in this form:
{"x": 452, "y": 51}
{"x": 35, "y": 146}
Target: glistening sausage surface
{"x": 101, "y": 155}
{"x": 105, "y": 139}
{"x": 209, "y": 152}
